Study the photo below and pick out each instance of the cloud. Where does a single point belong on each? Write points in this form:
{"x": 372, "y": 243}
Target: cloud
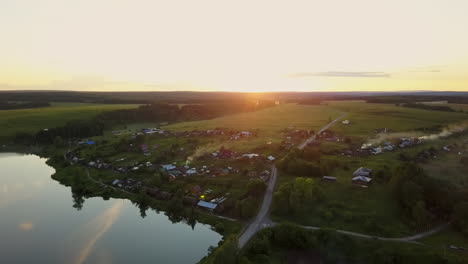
{"x": 341, "y": 74}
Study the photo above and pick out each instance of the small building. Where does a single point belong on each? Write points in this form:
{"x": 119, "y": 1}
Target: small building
{"x": 207, "y": 205}
{"x": 253, "y": 155}
{"x": 271, "y": 158}
{"x": 191, "y": 171}
{"x": 196, "y": 189}
{"x": 361, "y": 181}
{"x": 363, "y": 172}
{"x": 168, "y": 167}
{"x": 345, "y": 122}
{"x": 329, "y": 178}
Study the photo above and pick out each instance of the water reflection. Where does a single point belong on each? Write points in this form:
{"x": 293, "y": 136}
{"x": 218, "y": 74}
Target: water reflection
{"x": 47, "y": 223}
{"x": 98, "y": 227}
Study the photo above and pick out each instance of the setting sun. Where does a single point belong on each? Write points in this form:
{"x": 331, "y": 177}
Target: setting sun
{"x": 234, "y": 45}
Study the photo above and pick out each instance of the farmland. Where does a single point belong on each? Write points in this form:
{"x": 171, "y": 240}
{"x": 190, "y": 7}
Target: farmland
{"x": 366, "y": 117}
{"x": 33, "y": 120}
{"x": 269, "y": 123}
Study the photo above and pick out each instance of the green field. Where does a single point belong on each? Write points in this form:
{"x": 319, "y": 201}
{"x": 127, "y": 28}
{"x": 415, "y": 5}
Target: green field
{"x": 365, "y": 117}
{"x": 269, "y": 122}
{"x": 34, "y": 119}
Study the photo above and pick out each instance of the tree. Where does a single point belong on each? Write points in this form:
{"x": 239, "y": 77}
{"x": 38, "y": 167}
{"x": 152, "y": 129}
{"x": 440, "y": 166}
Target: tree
{"x": 78, "y": 200}
{"x": 58, "y": 141}
{"x": 460, "y": 217}
{"x": 410, "y": 194}
{"x": 256, "y": 187}
{"x": 156, "y": 179}
{"x": 420, "y": 214}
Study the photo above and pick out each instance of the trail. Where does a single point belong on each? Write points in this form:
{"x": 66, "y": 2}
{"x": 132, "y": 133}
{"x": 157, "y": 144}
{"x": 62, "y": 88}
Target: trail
{"x": 262, "y": 220}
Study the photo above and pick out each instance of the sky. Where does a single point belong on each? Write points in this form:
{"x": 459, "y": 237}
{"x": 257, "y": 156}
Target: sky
{"x": 242, "y": 45}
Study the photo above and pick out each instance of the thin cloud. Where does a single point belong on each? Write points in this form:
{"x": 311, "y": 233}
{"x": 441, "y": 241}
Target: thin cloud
{"x": 341, "y": 74}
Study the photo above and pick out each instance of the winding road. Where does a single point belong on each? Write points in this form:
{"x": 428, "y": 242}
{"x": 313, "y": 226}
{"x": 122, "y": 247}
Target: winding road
{"x": 263, "y": 221}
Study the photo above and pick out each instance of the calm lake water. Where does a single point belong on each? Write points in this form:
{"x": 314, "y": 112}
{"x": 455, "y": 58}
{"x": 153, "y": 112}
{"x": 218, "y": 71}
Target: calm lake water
{"x": 38, "y": 224}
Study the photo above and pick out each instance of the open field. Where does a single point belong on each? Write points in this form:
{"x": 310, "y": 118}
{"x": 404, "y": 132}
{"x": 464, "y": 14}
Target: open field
{"x": 33, "y": 120}
{"x": 365, "y": 117}
{"x": 269, "y": 122}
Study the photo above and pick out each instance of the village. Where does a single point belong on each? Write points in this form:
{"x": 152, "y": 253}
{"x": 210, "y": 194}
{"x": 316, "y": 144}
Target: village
{"x": 147, "y": 168}
{"x": 143, "y": 161}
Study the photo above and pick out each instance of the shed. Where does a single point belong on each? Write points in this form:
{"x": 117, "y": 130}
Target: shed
{"x": 361, "y": 181}
{"x": 207, "y": 205}
{"x": 329, "y": 178}
{"x": 363, "y": 172}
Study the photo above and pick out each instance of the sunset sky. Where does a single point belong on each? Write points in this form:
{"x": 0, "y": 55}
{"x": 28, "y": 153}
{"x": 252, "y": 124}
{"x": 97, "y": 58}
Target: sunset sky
{"x": 251, "y": 45}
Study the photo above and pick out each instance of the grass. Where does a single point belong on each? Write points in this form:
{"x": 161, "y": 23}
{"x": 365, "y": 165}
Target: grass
{"x": 447, "y": 166}
{"x": 33, "y": 120}
{"x": 372, "y": 210}
{"x": 365, "y": 117}
{"x": 270, "y": 122}
{"x": 446, "y": 238}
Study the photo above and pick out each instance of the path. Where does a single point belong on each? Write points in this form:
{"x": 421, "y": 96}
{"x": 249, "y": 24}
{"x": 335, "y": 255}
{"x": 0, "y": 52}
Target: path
{"x": 262, "y": 220}
{"x": 408, "y": 239}
{"x": 311, "y": 139}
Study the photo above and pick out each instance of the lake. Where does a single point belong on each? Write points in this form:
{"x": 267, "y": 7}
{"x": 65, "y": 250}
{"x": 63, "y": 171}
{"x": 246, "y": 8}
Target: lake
{"x": 38, "y": 224}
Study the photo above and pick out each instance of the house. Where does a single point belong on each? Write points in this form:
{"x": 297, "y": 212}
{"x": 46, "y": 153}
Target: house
{"x": 361, "y": 181}
{"x": 363, "y": 172}
{"x": 168, "y": 167}
{"x": 377, "y": 150}
{"x": 196, "y": 189}
{"x": 207, "y": 205}
{"x": 250, "y": 155}
{"x": 191, "y": 171}
{"x": 329, "y": 178}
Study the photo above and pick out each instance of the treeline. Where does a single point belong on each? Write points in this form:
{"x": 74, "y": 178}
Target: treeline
{"x": 158, "y": 112}
{"x": 15, "y": 105}
{"x": 425, "y": 200}
{"x": 155, "y": 112}
{"x": 462, "y": 98}
{"x": 71, "y": 130}
{"x": 429, "y": 107}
